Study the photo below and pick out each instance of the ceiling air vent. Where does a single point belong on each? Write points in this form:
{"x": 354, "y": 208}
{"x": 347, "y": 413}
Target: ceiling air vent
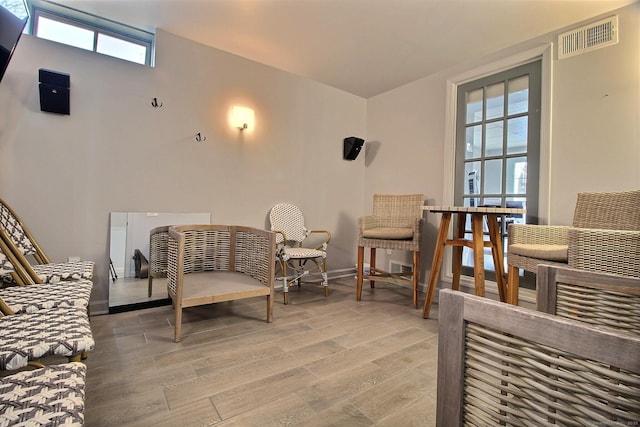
{"x": 589, "y": 37}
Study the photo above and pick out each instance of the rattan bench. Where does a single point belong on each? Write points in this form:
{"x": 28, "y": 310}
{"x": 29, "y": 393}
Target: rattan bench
{"x": 209, "y": 264}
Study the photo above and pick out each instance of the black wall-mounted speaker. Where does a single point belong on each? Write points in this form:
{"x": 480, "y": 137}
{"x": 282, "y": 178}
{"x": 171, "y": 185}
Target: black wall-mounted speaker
{"x": 352, "y": 147}
{"x": 54, "y": 91}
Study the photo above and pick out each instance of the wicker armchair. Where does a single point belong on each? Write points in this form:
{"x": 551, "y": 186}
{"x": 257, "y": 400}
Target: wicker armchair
{"x": 505, "y": 365}
{"x": 208, "y": 264}
{"x": 22, "y": 243}
{"x": 600, "y": 299}
{"x": 604, "y": 236}
{"x": 297, "y": 251}
{"x": 395, "y": 224}
{"x": 158, "y": 251}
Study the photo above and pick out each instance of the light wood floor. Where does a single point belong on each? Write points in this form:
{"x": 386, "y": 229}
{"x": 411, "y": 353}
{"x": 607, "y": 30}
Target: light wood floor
{"x": 322, "y": 362}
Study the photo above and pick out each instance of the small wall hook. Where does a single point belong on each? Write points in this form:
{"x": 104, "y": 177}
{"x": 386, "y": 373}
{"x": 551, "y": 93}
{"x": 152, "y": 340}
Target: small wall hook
{"x": 155, "y": 103}
{"x": 200, "y": 138}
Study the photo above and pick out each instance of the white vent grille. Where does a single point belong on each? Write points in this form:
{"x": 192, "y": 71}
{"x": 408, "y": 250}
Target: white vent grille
{"x": 589, "y": 37}
{"x": 396, "y": 267}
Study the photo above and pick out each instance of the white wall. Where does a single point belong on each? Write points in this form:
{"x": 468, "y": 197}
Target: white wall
{"x": 594, "y": 129}
{"x": 117, "y": 153}
{"x": 64, "y": 174}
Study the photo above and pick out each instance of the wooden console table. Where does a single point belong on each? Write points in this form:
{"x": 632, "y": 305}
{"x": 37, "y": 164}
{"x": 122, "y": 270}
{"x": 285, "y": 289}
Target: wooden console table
{"x": 476, "y": 244}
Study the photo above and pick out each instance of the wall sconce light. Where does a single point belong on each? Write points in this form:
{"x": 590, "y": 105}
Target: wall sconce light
{"x": 242, "y": 117}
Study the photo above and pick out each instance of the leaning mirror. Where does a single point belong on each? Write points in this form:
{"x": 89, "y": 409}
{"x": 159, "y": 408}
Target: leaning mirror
{"x": 129, "y": 255}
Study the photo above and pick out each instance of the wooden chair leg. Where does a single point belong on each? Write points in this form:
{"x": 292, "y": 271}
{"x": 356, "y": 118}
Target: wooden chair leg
{"x": 416, "y": 277}
{"x": 178, "y": 325}
{"x": 372, "y": 266}
{"x": 513, "y": 283}
{"x": 360, "y": 268}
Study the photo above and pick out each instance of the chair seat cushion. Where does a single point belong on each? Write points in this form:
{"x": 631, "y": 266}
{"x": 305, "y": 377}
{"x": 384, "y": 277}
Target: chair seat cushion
{"x": 388, "y": 233}
{"x": 548, "y": 252}
{"x": 48, "y": 396}
{"x": 301, "y": 253}
{"x": 32, "y": 336}
{"x": 31, "y": 298}
{"x": 55, "y": 272}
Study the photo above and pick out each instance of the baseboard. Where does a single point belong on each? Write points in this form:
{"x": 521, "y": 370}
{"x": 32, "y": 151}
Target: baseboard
{"x": 139, "y": 305}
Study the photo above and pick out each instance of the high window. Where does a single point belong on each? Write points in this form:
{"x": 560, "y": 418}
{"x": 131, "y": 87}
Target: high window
{"x": 62, "y": 24}
{"x": 498, "y": 148}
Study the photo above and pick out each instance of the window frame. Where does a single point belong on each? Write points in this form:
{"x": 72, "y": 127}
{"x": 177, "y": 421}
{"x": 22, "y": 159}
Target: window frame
{"x": 95, "y": 24}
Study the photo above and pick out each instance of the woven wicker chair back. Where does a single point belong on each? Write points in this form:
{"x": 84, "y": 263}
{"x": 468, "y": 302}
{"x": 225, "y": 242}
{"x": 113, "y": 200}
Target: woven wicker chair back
{"x": 12, "y": 226}
{"x": 158, "y": 250}
{"x": 289, "y": 219}
{"x": 393, "y": 210}
{"x": 504, "y": 365}
{"x": 612, "y": 210}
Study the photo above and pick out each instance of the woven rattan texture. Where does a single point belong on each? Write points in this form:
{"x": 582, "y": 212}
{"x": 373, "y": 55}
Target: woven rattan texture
{"x": 204, "y": 250}
{"x": 50, "y": 396}
{"x": 252, "y": 256}
{"x": 288, "y": 219}
{"x": 528, "y": 264}
{"x": 394, "y": 211}
{"x": 598, "y": 307}
{"x": 158, "y": 250}
{"x": 612, "y": 210}
{"x": 55, "y": 272}
{"x": 31, "y": 336}
{"x": 516, "y": 382}
{"x": 31, "y": 298}
{"x": 12, "y": 226}
{"x": 609, "y": 251}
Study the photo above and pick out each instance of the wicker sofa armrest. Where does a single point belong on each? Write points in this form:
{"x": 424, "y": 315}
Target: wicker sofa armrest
{"x": 609, "y": 251}
{"x": 538, "y": 234}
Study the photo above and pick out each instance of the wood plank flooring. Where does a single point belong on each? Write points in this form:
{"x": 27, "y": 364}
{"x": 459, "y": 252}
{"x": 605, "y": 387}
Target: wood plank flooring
{"x": 323, "y": 362}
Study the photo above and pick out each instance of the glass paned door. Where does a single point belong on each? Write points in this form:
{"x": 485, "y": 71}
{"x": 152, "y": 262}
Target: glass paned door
{"x": 497, "y": 148}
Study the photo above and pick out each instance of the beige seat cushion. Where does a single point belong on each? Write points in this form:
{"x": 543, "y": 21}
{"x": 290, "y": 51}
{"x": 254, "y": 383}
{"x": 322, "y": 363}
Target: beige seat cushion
{"x": 548, "y": 252}
{"x": 388, "y": 233}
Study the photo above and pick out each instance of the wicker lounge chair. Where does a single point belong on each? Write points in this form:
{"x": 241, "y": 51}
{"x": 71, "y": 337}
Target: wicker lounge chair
{"x": 604, "y": 236}
{"x": 30, "y": 297}
{"x": 22, "y": 243}
{"x": 504, "y": 365}
{"x": 396, "y": 224}
{"x": 49, "y": 396}
{"x": 209, "y": 264}
{"x": 298, "y": 254}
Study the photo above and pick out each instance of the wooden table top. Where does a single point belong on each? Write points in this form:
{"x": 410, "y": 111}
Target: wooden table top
{"x": 476, "y": 209}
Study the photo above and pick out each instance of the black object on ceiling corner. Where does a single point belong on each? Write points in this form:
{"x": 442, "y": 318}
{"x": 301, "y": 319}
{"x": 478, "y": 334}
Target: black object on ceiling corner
{"x": 352, "y": 147}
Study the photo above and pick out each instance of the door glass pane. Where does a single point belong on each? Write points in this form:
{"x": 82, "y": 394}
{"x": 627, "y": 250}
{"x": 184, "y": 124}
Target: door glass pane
{"x": 517, "y": 135}
{"x": 495, "y": 101}
{"x": 493, "y": 147}
{"x": 471, "y": 183}
{"x": 474, "y": 106}
{"x": 122, "y": 49}
{"x": 474, "y": 142}
{"x": 64, "y": 33}
{"x": 516, "y": 175}
{"x": 518, "y": 95}
{"x": 493, "y": 176}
